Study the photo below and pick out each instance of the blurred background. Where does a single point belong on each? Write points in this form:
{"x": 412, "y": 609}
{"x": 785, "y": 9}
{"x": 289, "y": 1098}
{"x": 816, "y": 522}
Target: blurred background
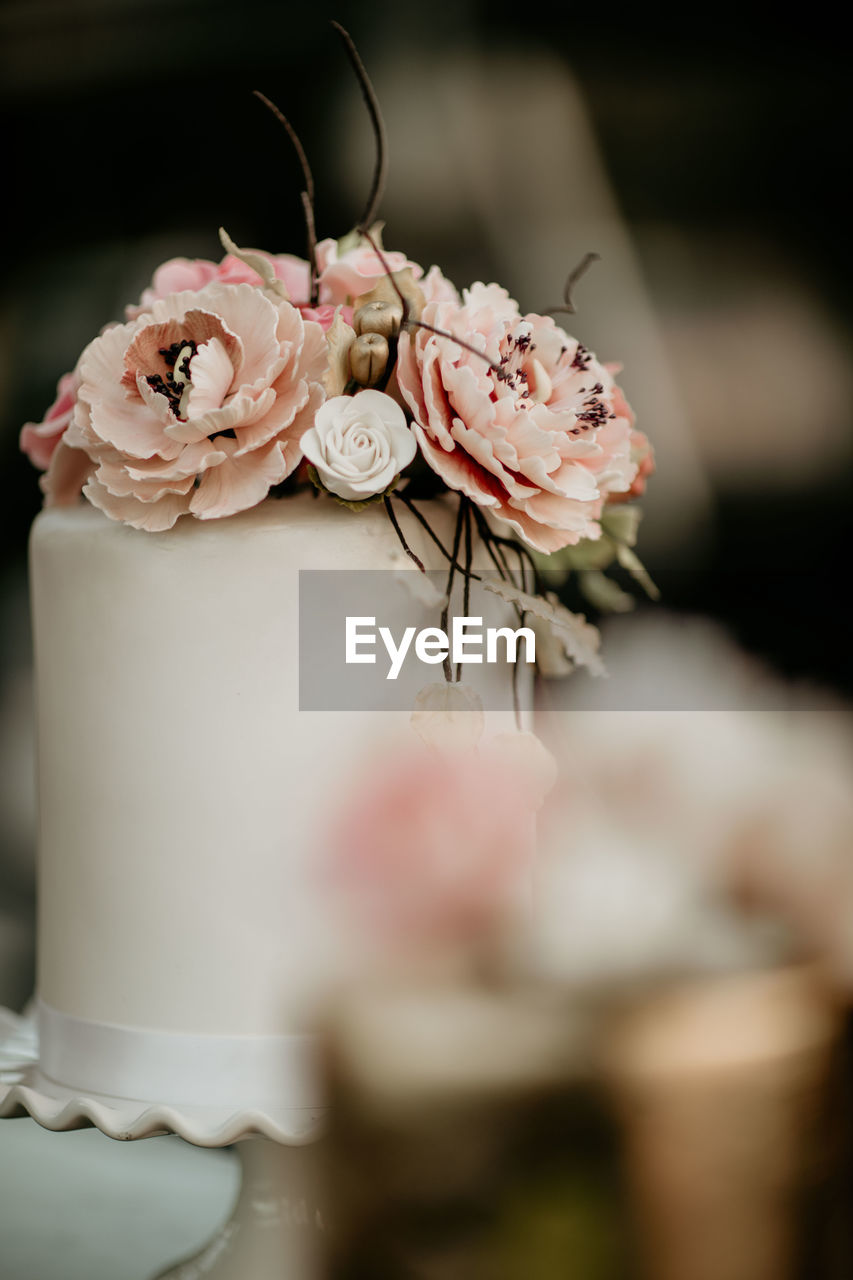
{"x": 699, "y": 152}
{"x": 698, "y": 155}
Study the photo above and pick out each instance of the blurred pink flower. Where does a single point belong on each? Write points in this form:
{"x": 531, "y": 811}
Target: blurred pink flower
{"x": 346, "y": 276}
{"x": 539, "y": 438}
{"x": 436, "y": 846}
{"x": 39, "y": 439}
{"x": 197, "y": 407}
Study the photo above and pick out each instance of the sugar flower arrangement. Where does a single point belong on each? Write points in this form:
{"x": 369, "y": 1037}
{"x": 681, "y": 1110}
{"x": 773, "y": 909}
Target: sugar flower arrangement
{"x": 355, "y": 371}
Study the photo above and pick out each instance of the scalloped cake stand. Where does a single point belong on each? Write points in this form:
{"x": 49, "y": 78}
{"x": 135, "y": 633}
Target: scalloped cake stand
{"x": 276, "y": 1228}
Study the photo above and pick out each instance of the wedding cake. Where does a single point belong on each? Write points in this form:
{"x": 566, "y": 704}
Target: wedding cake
{"x": 250, "y": 421}
{"x": 180, "y": 793}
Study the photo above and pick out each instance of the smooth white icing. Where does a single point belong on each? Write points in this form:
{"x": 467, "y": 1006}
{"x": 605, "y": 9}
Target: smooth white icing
{"x": 180, "y": 787}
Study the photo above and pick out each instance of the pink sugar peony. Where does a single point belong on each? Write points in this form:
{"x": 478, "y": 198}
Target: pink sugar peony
{"x": 346, "y": 276}
{"x": 180, "y": 274}
{"x": 644, "y": 456}
{"x": 185, "y": 273}
{"x": 39, "y": 439}
{"x": 436, "y": 846}
{"x": 437, "y": 288}
{"x": 196, "y": 407}
{"x": 324, "y": 314}
{"x": 642, "y": 452}
{"x": 541, "y": 439}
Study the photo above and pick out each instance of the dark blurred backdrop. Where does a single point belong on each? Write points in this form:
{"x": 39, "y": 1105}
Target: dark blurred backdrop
{"x": 705, "y": 150}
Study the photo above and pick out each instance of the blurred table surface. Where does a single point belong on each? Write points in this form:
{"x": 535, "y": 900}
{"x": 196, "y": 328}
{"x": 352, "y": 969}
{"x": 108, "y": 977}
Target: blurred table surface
{"x": 81, "y": 1206}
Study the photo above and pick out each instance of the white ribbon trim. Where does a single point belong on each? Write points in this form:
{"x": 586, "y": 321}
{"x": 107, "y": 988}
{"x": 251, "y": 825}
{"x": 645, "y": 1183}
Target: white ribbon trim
{"x": 174, "y": 1068}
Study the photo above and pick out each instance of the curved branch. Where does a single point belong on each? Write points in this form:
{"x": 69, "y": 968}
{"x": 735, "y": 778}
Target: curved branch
{"x": 307, "y": 195}
{"x": 568, "y": 304}
{"x": 372, "y": 103}
{"x": 307, "y": 175}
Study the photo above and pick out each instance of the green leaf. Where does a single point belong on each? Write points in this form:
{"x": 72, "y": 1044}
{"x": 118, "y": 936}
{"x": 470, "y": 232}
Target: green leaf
{"x": 638, "y": 571}
{"x": 605, "y": 594}
{"x": 621, "y": 523}
{"x": 349, "y": 502}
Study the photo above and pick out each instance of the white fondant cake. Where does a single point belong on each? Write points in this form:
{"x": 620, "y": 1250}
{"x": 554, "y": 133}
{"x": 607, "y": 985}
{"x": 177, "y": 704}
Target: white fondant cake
{"x": 181, "y": 789}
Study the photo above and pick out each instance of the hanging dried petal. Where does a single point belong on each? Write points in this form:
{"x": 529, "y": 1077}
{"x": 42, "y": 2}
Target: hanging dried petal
{"x": 339, "y": 339}
{"x": 258, "y": 262}
{"x": 580, "y": 638}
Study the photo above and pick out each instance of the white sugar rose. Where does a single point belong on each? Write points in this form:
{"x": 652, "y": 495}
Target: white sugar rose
{"x": 359, "y": 444}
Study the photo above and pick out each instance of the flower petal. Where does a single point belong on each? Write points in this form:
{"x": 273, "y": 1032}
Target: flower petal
{"x": 239, "y": 482}
{"x": 152, "y": 516}
{"x": 66, "y": 474}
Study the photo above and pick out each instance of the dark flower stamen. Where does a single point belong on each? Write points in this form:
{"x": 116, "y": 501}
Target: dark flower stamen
{"x": 173, "y": 385}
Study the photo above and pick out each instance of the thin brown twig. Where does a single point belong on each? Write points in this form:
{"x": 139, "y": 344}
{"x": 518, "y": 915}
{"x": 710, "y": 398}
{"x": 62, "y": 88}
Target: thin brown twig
{"x": 308, "y": 178}
{"x": 386, "y": 267}
{"x": 445, "y": 333}
{"x": 392, "y": 516}
{"x": 522, "y": 567}
{"x": 475, "y": 577}
{"x": 404, "y": 303}
{"x": 521, "y": 550}
{"x": 311, "y": 236}
{"x": 407, "y": 322}
{"x": 516, "y": 701}
{"x": 488, "y": 537}
{"x": 583, "y": 266}
{"x": 445, "y": 612}
{"x": 401, "y": 497}
{"x": 294, "y": 138}
{"x": 372, "y": 103}
{"x": 466, "y": 593}
{"x": 496, "y": 543}
{"x": 488, "y": 540}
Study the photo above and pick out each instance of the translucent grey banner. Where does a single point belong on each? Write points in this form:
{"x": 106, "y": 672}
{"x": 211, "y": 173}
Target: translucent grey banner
{"x": 371, "y": 640}
{"x": 392, "y": 627}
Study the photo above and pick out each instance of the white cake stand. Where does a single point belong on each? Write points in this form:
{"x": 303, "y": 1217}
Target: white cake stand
{"x": 276, "y": 1228}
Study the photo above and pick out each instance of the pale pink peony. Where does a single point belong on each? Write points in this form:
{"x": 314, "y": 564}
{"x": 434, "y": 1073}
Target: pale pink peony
{"x": 324, "y": 314}
{"x": 181, "y": 274}
{"x": 436, "y": 846}
{"x": 39, "y": 439}
{"x": 346, "y": 276}
{"x": 436, "y": 287}
{"x": 540, "y": 440}
{"x": 197, "y": 407}
{"x": 644, "y": 456}
{"x": 185, "y": 273}
{"x": 642, "y": 452}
